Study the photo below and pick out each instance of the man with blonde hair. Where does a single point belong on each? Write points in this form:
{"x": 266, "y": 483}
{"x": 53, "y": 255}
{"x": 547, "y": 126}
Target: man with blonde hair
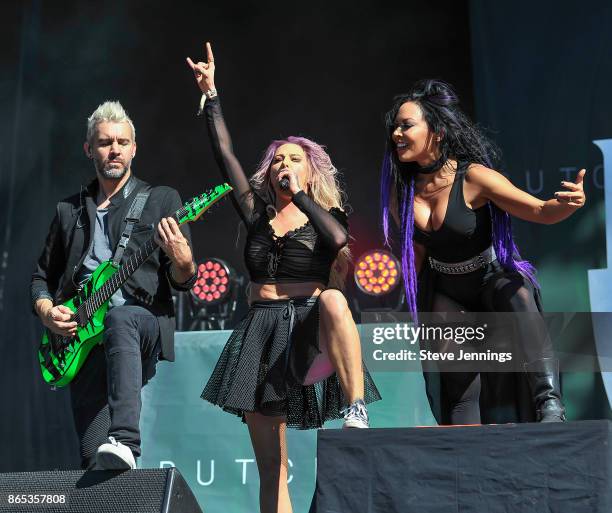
{"x": 89, "y": 228}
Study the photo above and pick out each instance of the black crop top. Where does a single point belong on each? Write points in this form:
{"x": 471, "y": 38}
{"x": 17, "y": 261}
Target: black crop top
{"x": 464, "y": 233}
{"x": 302, "y": 255}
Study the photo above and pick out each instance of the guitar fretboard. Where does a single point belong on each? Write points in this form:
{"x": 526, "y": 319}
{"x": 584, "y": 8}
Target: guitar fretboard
{"x": 86, "y": 310}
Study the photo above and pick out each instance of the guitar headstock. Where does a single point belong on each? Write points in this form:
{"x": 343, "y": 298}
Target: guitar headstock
{"x": 195, "y": 207}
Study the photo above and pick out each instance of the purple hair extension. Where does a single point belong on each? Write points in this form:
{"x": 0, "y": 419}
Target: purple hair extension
{"x": 385, "y": 191}
{"x": 408, "y": 268}
{"x": 505, "y": 248}
{"x": 407, "y": 227}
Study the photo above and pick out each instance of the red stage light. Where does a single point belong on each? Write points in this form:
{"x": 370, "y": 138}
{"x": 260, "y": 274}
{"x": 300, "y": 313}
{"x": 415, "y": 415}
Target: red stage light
{"x": 212, "y": 285}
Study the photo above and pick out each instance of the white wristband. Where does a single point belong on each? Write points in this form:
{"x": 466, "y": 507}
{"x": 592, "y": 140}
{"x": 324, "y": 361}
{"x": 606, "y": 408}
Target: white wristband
{"x": 210, "y": 94}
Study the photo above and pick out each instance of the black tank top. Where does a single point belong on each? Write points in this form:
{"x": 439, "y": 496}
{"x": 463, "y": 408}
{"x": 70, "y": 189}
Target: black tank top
{"x": 464, "y": 232}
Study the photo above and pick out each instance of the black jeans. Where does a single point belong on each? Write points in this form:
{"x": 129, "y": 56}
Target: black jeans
{"x": 105, "y": 394}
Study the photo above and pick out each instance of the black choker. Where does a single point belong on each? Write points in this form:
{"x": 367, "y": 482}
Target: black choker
{"x": 427, "y": 170}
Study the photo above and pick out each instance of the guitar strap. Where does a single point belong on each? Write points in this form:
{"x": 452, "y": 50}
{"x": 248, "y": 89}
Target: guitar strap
{"x": 131, "y": 218}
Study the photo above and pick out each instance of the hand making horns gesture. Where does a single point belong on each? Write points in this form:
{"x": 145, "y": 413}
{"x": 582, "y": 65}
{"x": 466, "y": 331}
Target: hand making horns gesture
{"x": 204, "y": 71}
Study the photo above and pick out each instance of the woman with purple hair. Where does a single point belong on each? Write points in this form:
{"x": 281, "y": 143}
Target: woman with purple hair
{"x": 295, "y": 359}
{"x": 453, "y": 212}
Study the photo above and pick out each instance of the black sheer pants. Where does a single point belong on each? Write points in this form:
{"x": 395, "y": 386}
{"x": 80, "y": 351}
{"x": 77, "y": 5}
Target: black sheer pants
{"x": 488, "y": 290}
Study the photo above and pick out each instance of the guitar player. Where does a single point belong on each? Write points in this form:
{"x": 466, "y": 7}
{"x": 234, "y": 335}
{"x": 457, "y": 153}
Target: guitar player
{"x": 92, "y": 227}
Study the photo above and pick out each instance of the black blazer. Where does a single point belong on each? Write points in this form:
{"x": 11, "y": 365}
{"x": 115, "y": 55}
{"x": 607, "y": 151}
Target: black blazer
{"x": 71, "y": 233}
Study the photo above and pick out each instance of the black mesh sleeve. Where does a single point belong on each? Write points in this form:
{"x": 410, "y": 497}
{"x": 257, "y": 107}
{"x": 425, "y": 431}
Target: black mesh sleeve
{"x": 332, "y": 226}
{"x": 243, "y": 197}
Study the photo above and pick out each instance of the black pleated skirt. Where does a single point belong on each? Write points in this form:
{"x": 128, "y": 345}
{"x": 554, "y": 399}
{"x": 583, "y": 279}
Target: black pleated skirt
{"x": 264, "y": 363}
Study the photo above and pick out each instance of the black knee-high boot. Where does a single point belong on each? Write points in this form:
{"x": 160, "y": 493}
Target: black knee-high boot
{"x": 543, "y": 377}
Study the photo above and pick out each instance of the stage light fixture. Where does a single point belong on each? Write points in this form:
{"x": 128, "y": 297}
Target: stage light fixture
{"x": 213, "y": 283}
{"x": 213, "y": 297}
{"x": 377, "y": 272}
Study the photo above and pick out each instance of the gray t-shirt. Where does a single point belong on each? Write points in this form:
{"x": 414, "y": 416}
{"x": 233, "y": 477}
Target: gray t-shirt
{"x": 100, "y": 251}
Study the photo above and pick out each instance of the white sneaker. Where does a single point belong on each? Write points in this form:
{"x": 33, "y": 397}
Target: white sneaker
{"x": 115, "y": 456}
{"x": 356, "y": 415}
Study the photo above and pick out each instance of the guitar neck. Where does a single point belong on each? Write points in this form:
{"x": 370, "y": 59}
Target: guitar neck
{"x": 127, "y": 269}
{"x": 191, "y": 211}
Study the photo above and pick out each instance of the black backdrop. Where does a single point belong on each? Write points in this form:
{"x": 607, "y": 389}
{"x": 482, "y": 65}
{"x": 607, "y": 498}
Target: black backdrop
{"x": 323, "y": 70}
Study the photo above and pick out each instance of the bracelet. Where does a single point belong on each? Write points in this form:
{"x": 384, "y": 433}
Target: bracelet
{"x": 188, "y": 283}
{"x": 210, "y": 94}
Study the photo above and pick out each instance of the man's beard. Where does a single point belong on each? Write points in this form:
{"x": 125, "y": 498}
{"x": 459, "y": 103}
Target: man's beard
{"x": 112, "y": 173}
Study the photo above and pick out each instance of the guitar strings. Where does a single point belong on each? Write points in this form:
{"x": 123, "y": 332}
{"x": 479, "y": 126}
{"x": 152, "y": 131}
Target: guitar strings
{"x": 98, "y": 298}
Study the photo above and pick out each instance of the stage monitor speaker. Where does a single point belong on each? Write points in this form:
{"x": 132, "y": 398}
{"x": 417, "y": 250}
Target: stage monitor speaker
{"x": 98, "y": 491}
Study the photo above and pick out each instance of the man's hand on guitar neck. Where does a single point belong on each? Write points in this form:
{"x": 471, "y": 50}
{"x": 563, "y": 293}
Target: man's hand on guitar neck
{"x": 57, "y": 318}
{"x": 171, "y": 240}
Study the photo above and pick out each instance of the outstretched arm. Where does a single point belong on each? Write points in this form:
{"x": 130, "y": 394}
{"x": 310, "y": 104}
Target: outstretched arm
{"x": 220, "y": 138}
{"x": 497, "y": 188}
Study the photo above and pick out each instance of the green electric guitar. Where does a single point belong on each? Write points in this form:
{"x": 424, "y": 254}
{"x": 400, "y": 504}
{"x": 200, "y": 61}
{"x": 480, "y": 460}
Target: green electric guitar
{"x": 61, "y": 357}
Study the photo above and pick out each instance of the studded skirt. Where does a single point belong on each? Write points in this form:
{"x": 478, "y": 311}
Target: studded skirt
{"x": 265, "y": 361}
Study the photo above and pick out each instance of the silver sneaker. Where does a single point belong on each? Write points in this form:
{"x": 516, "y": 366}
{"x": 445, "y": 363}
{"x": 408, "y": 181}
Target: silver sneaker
{"x": 356, "y": 415}
{"x": 115, "y": 456}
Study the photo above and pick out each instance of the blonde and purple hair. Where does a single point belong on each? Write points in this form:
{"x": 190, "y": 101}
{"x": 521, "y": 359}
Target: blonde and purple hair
{"x": 323, "y": 187}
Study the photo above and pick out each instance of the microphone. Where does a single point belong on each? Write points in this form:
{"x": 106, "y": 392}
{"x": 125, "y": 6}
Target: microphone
{"x": 284, "y": 184}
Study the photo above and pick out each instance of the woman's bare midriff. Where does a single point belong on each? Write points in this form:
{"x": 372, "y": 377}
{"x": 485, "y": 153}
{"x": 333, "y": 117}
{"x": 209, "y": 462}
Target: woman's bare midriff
{"x": 270, "y": 291}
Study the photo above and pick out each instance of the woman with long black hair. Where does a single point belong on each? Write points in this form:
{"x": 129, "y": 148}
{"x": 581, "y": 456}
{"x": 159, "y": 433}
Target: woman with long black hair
{"x": 453, "y": 211}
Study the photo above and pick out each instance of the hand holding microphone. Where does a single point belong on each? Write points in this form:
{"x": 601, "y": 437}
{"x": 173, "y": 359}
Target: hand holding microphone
{"x": 284, "y": 184}
{"x": 289, "y": 181}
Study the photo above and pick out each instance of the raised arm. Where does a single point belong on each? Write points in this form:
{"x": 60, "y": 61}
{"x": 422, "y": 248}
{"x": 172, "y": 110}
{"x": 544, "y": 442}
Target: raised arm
{"x": 243, "y": 197}
{"x": 497, "y": 188}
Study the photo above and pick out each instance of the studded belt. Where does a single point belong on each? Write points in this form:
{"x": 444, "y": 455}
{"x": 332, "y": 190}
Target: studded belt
{"x": 467, "y": 266}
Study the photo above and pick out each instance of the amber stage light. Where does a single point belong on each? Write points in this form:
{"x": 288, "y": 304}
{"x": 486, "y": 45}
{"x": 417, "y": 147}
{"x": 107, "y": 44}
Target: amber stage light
{"x": 377, "y": 272}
